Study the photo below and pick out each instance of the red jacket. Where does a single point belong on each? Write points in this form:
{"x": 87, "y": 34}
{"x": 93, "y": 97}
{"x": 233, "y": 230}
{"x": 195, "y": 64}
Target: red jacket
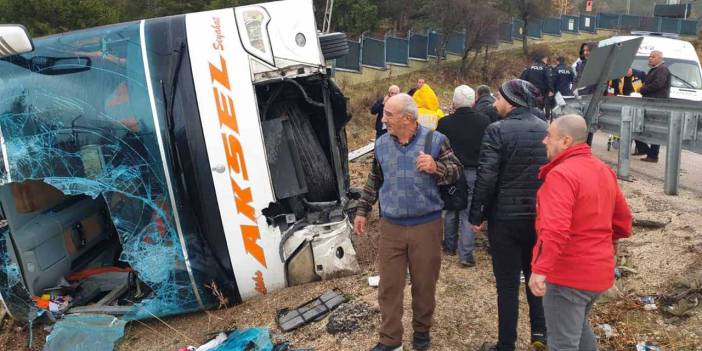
{"x": 580, "y": 212}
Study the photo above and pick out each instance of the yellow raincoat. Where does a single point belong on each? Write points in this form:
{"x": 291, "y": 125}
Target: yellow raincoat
{"x": 428, "y": 105}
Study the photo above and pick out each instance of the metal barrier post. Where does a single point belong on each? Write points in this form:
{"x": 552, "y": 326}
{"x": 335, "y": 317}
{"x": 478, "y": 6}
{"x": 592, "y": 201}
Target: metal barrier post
{"x": 673, "y": 152}
{"x": 623, "y": 166}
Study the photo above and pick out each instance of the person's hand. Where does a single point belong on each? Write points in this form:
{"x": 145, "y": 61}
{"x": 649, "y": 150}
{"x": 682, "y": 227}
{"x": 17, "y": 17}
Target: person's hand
{"x": 537, "y": 284}
{"x": 359, "y": 225}
{"x": 478, "y": 228}
{"x": 425, "y": 163}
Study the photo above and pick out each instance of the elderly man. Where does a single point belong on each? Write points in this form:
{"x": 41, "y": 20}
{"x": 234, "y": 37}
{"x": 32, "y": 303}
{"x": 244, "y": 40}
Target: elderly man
{"x": 505, "y": 196}
{"x": 406, "y": 180}
{"x": 581, "y": 213}
{"x": 655, "y": 85}
{"x": 378, "y": 107}
{"x": 464, "y": 129}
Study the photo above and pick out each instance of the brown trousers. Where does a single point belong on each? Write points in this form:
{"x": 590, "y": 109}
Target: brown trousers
{"x": 418, "y": 247}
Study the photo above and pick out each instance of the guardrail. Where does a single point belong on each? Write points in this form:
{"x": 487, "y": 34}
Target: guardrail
{"x": 671, "y": 122}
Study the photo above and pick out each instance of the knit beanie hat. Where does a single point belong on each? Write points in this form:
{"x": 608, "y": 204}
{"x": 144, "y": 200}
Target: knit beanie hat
{"x": 520, "y": 93}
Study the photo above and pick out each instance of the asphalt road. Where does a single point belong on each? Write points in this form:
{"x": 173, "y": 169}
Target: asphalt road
{"x": 690, "y": 170}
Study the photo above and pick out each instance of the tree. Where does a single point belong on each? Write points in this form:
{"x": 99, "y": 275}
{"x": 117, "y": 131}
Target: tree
{"x": 43, "y": 17}
{"x": 563, "y": 7}
{"x": 354, "y": 16}
{"x": 528, "y": 11}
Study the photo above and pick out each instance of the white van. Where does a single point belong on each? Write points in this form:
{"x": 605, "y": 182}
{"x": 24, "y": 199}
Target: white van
{"x": 196, "y": 158}
{"x": 679, "y": 56}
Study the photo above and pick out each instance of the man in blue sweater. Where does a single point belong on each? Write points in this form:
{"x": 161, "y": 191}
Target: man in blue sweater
{"x": 406, "y": 180}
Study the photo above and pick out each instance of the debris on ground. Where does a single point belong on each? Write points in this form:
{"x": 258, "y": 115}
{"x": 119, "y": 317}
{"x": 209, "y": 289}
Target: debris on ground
{"x": 649, "y": 303}
{"x": 374, "y": 281}
{"x": 644, "y": 346}
{"x": 607, "y": 329}
{"x": 685, "y": 297}
{"x": 350, "y": 317}
{"x": 649, "y": 223}
{"x": 313, "y": 310}
{"x": 77, "y": 332}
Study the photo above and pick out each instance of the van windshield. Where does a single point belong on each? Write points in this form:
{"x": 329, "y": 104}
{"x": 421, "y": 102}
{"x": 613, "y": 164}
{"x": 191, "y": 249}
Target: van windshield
{"x": 686, "y": 74}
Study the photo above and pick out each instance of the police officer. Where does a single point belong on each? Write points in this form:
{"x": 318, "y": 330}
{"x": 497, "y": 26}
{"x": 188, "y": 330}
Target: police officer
{"x": 563, "y": 77}
{"x": 539, "y": 75}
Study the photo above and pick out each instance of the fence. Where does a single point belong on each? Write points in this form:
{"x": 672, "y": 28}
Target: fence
{"x": 377, "y": 53}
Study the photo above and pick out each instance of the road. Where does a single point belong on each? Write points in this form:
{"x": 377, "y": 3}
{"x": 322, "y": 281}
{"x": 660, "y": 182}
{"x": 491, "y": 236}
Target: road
{"x": 690, "y": 172}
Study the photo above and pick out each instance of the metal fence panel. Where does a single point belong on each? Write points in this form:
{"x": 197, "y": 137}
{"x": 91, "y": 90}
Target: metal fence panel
{"x": 669, "y": 25}
{"x": 352, "y": 60}
{"x": 688, "y": 27}
{"x": 506, "y": 32}
{"x": 608, "y": 20}
{"x": 570, "y": 24}
{"x": 396, "y": 50}
{"x": 518, "y": 29}
{"x": 629, "y": 22}
{"x": 534, "y": 29}
{"x": 552, "y": 26}
{"x": 373, "y": 52}
{"x": 418, "y": 46}
{"x": 434, "y": 44}
{"x": 649, "y": 24}
{"x": 456, "y": 43}
{"x": 588, "y": 24}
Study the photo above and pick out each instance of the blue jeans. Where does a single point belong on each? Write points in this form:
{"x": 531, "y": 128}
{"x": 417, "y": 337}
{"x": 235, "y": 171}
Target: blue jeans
{"x": 458, "y": 235}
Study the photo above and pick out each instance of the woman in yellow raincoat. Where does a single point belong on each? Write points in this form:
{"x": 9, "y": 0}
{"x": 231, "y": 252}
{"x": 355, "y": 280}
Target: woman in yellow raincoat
{"x": 428, "y": 106}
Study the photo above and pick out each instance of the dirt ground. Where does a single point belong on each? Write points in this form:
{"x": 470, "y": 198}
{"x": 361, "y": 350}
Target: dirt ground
{"x": 466, "y": 309}
{"x": 664, "y": 260}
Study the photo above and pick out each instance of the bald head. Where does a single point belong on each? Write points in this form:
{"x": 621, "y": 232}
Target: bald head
{"x": 393, "y": 90}
{"x": 573, "y": 126}
{"x": 404, "y": 105}
{"x": 563, "y": 133}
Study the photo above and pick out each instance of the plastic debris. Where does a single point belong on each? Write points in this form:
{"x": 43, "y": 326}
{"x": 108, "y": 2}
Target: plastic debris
{"x": 252, "y": 339}
{"x": 607, "y": 329}
{"x": 374, "y": 281}
{"x": 645, "y": 346}
{"x": 214, "y": 343}
{"x": 312, "y": 310}
{"x": 649, "y": 303}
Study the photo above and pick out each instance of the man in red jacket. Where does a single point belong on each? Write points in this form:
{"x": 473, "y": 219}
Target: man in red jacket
{"x": 580, "y": 215}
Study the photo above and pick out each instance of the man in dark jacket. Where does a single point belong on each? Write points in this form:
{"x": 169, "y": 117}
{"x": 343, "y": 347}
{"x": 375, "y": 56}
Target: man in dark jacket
{"x": 464, "y": 129}
{"x": 563, "y": 77}
{"x": 539, "y": 74}
{"x": 505, "y": 196}
{"x": 377, "y": 110}
{"x": 656, "y": 85}
{"x": 485, "y": 101}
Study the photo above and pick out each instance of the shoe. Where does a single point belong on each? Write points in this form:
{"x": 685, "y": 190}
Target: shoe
{"x": 383, "y": 347}
{"x": 538, "y": 342}
{"x": 449, "y": 252}
{"x": 469, "y": 262}
{"x": 421, "y": 341}
{"x": 638, "y": 153}
{"x": 488, "y": 347}
{"x": 538, "y": 346}
{"x": 648, "y": 159}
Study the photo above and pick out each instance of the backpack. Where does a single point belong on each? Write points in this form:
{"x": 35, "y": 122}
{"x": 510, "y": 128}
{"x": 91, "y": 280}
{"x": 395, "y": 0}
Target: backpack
{"x": 455, "y": 195}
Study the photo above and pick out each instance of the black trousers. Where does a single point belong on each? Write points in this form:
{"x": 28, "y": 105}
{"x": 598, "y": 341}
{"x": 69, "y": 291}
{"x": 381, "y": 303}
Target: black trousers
{"x": 650, "y": 151}
{"x": 511, "y": 244}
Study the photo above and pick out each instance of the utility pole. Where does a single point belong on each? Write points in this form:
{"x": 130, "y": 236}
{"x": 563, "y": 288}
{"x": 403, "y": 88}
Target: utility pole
{"x": 628, "y": 6}
{"x": 326, "y": 25}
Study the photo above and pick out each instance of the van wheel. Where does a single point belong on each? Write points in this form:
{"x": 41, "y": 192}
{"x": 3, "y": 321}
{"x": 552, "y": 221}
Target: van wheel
{"x": 333, "y": 45}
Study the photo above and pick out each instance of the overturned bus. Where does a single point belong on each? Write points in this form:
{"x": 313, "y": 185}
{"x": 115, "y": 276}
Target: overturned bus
{"x": 166, "y": 165}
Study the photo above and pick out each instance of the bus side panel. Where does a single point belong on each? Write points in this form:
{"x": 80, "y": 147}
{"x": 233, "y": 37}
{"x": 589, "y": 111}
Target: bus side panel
{"x": 234, "y": 142}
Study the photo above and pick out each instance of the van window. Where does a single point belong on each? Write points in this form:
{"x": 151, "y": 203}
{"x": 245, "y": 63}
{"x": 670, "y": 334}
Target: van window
{"x": 686, "y": 72}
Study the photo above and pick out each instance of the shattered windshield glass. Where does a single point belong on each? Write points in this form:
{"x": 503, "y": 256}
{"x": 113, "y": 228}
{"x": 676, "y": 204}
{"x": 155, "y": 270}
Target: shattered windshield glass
{"x": 76, "y": 115}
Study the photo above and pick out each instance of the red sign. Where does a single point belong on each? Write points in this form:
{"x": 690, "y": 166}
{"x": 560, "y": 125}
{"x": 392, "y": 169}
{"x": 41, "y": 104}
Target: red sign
{"x": 588, "y": 6}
